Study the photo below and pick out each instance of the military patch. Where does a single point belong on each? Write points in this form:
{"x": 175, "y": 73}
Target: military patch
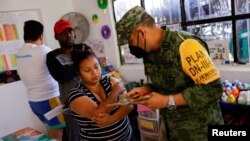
{"x": 196, "y": 62}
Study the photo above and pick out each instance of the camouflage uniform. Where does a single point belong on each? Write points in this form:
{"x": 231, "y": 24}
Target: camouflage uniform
{"x": 165, "y": 71}
{"x": 164, "y": 67}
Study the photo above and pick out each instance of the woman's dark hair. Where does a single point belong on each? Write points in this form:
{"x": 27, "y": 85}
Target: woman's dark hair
{"x": 32, "y": 30}
{"x": 78, "y": 56}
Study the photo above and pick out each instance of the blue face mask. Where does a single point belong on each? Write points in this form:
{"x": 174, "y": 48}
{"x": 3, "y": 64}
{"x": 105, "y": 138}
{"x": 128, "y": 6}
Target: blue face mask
{"x": 137, "y": 51}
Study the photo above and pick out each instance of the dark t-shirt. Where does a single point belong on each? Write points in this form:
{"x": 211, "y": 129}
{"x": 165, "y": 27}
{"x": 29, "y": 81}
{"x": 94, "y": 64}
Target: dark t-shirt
{"x": 61, "y": 68}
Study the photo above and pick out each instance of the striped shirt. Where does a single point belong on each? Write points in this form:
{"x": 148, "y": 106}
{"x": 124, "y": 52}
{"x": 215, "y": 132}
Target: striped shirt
{"x": 118, "y": 131}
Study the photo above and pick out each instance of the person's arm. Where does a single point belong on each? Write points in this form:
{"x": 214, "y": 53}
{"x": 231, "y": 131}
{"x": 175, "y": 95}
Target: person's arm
{"x": 195, "y": 97}
{"x": 61, "y": 73}
{"x": 77, "y": 101}
{"x": 116, "y": 90}
{"x": 204, "y": 94}
{"x": 197, "y": 64}
{"x": 104, "y": 119}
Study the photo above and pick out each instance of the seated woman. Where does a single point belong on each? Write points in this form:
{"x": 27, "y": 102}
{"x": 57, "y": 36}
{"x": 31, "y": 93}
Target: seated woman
{"x": 89, "y": 101}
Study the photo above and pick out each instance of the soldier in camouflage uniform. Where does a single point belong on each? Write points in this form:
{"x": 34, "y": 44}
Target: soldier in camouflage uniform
{"x": 179, "y": 67}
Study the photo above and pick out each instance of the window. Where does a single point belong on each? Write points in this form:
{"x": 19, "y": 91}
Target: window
{"x": 205, "y": 9}
{"x": 122, "y": 6}
{"x": 221, "y": 23}
{"x": 164, "y": 12}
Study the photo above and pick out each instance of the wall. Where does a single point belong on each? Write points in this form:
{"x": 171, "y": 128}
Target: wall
{"x": 235, "y": 71}
{"x": 14, "y": 109}
{"x": 105, "y": 18}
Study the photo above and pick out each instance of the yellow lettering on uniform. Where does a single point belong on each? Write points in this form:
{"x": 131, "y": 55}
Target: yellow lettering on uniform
{"x": 202, "y": 53}
{"x": 204, "y": 64}
{"x": 194, "y": 59}
{"x": 199, "y": 56}
{"x": 188, "y": 60}
{"x": 196, "y": 62}
{"x": 192, "y": 71}
{"x": 197, "y": 68}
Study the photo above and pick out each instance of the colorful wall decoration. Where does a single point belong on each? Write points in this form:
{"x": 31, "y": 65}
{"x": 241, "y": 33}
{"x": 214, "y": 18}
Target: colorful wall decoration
{"x": 7, "y": 62}
{"x": 95, "y": 19}
{"x": 102, "y": 4}
{"x": 11, "y": 33}
{"x": 106, "y": 32}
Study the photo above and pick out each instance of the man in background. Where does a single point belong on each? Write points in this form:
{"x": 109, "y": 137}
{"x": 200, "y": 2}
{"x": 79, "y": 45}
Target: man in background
{"x": 60, "y": 65}
{"x": 42, "y": 89}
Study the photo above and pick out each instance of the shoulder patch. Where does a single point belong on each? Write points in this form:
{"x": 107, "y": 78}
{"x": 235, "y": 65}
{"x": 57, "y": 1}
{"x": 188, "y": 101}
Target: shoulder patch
{"x": 197, "y": 63}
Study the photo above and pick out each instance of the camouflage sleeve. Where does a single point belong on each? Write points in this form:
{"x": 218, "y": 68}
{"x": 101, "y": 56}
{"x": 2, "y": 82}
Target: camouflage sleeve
{"x": 199, "y": 96}
{"x": 197, "y": 64}
{"x": 149, "y": 86}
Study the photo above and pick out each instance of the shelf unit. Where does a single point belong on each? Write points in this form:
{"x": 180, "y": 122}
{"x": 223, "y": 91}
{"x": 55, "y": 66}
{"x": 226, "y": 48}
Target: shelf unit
{"x": 148, "y": 123}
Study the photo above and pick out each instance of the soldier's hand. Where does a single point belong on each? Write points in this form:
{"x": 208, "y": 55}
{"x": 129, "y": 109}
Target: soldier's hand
{"x": 138, "y": 92}
{"x": 156, "y": 101}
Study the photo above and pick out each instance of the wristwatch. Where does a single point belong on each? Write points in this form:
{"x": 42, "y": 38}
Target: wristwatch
{"x": 171, "y": 103}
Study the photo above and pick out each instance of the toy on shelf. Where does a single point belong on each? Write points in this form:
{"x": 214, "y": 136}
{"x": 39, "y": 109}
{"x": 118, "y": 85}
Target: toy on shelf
{"x": 235, "y": 102}
{"x": 236, "y": 92}
{"x": 106, "y": 68}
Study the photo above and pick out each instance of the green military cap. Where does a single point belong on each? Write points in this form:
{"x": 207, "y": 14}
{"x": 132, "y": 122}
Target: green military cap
{"x": 128, "y": 22}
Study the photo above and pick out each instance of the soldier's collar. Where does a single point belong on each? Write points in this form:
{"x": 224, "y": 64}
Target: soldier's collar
{"x": 167, "y": 34}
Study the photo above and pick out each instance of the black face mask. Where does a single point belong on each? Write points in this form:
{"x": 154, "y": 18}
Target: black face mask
{"x": 137, "y": 51}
